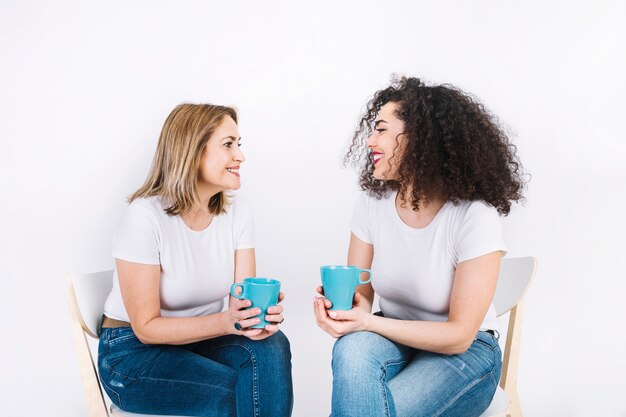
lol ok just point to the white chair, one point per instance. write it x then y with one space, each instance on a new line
87 294
515 277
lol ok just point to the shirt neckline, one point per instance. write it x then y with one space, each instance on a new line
190 230
415 230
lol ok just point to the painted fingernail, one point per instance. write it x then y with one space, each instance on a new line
332 314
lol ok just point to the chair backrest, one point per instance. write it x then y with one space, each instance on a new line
86 296
515 277
89 292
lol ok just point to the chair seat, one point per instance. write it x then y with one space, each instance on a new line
118 412
499 404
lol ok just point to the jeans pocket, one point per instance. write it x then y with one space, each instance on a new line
112 393
487 339
121 335
118 346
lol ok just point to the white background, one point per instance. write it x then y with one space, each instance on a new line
85 87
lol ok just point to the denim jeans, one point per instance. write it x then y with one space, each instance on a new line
225 376
373 376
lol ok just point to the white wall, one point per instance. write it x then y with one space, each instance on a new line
85 87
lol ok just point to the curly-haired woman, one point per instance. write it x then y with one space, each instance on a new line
437 171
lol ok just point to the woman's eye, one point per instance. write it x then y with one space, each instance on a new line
228 144
380 130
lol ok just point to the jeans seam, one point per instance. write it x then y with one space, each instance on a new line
497 358
476 382
255 376
492 347
106 365
119 398
459 395
383 386
117 340
383 383
493 378
149 378
123 375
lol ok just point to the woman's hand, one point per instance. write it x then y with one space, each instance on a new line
356 301
274 315
245 319
339 323
237 319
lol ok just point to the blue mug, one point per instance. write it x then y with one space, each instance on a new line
262 292
340 282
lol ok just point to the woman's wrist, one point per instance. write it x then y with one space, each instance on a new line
370 322
226 328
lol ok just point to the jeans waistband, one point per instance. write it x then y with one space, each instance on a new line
109 323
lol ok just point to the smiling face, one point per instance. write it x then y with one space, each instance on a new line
387 142
221 159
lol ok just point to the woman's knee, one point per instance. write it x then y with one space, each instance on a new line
358 351
274 350
280 344
276 345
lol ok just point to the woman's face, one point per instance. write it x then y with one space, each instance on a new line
387 142
221 159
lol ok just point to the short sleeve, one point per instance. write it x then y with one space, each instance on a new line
243 223
137 239
360 224
480 233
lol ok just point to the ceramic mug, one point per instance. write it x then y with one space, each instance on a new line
262 292
340 282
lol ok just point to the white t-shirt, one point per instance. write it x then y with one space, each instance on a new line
413 269
197 267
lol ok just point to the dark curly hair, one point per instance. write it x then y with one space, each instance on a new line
456 149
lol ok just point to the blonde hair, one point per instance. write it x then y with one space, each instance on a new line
174 171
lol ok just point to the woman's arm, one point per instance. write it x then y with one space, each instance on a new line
361 254
474 285
139 285
245 265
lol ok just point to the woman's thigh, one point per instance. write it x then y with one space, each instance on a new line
163 379
264 386
434 384
363 363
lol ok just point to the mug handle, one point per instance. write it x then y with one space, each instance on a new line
243 290
369 276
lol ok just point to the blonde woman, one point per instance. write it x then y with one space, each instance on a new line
167 344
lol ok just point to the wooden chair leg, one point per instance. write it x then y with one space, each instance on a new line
508 380
93 395
515 409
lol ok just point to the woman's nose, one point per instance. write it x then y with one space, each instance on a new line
239 155
371 142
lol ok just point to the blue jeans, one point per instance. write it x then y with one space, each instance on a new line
226 376
373 376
